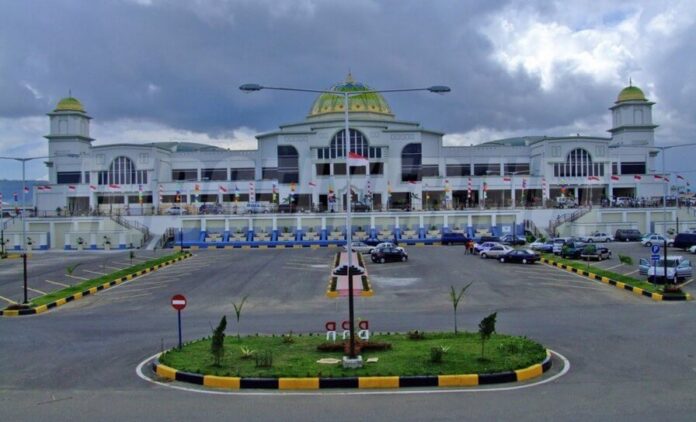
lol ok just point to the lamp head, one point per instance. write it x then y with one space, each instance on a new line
250 87
439 89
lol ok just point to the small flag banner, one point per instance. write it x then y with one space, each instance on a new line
507 179
222 189
26 189
636 177
114 187
71 188
92 188
615 178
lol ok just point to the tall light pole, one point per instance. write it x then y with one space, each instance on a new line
24 160
438 89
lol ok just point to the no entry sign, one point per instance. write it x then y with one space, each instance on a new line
178 302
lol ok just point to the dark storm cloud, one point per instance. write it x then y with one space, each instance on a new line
180 62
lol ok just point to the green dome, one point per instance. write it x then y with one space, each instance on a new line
371 102
70 104
631 93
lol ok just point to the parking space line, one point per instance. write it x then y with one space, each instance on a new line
686 282
36 291
94 272
632 272
126 296
57 283
76 277
615 266
12 302
112 267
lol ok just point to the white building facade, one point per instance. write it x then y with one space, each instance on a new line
302 165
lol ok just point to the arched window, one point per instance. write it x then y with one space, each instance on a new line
358 144
122 171
579 164
411 158
288 164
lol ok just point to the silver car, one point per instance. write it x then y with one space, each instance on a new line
678 269
360 247
495 251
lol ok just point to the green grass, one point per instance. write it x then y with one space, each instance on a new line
582 265
88 284
407 357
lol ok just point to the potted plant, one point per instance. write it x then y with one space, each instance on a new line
80 243
107 243
29 243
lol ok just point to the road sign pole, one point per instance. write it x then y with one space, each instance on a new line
178 313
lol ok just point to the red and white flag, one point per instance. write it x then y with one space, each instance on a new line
312 185
161 189
39 188
92 188
356 160
507 179
114 187
46 188
222 189
636 177
592 178
615 178
680 177
657 177
71 188
468 188
411 182
26 188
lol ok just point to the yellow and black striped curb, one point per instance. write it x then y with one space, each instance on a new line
93 290
316 383
288 246
366 290
618 284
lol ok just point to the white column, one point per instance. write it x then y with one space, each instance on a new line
446 221
275 223
420 221
67 239
227 224
298 223
204 222
372 221
396 222
323 223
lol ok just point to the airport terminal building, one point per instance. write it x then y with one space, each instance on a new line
303 164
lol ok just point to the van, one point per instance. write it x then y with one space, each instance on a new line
628 235
256 208
685 240
450 238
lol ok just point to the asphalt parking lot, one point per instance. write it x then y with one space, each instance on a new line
631 357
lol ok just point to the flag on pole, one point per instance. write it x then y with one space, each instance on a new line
615 178
16 197
236 193
222 189
356 160
468 188
26 188
92 188
274 192
71 188
389 189
197 188
636 177
524 183
543 188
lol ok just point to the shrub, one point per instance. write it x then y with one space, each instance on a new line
217 344
264 359
437 353
247 352
486 328
288 338
416 335
624 259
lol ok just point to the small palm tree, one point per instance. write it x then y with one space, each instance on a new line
238 313
455 301
71 268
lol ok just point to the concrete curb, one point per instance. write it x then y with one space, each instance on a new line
91 291
618 284
315 383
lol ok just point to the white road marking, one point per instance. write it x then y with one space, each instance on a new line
94 272
114 268
114 298
76 277
612 267
686 282
57 283
633 272
12 302
433 390
37 291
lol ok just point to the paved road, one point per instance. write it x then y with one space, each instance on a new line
632 358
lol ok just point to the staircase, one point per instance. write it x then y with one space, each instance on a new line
566 218
133 225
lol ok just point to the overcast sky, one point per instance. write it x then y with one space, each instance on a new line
160 70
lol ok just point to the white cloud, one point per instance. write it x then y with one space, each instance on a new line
35 92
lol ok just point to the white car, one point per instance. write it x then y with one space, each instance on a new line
678 269
692 249
495 251
176 210
656 239
596 237
478 248
558 244
360 247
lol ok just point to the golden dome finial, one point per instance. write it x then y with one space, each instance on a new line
349 78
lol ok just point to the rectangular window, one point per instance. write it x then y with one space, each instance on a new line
492 169
430 170
86 177
135 199
242 174
376 168
110 199
323 169
65 177
141 177
614 168
174 198
269 173
375 152
339 168
512 169
213 174
143 157
456 170
185 175
320 153
637 167
102 178
358 170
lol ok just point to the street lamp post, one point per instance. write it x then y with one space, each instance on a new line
24 160
438 89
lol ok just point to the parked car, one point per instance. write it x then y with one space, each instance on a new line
176 210
385 254
257 208
542 246
572 250
685 240
558 244
485 245
596 237
692 249
678 269
210 209
524 256
656 239
566 202
495 251
595 252
510 239
452 238
388 245
484 239
360 247
360 206
627 235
